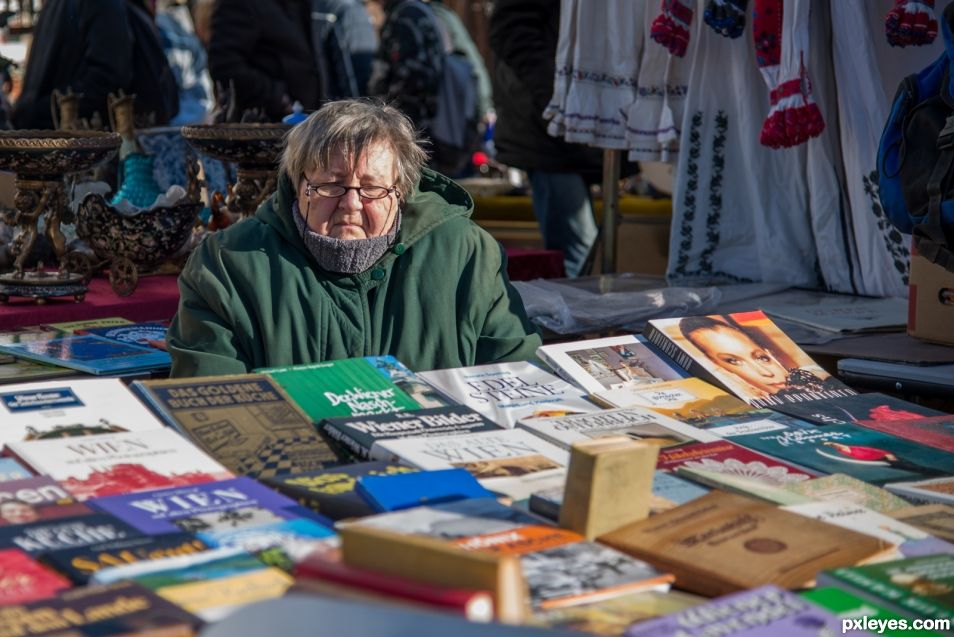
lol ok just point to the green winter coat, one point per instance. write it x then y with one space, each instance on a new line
252 296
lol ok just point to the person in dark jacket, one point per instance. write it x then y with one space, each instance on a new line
345 43
410 60
360 252
77 44
523 36
264 48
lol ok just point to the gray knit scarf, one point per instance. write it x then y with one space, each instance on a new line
345 256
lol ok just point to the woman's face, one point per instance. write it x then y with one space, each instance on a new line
738 354
351 216
17 512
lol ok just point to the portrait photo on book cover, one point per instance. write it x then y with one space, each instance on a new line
750 355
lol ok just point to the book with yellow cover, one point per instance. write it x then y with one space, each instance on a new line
722 542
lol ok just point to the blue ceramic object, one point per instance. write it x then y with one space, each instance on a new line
139 186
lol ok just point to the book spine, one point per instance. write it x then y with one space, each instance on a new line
345 441
142 392
668 349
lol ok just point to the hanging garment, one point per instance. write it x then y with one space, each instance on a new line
597 67
911 22
654 119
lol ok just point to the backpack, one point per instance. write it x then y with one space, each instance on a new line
455 130
916 156
153 81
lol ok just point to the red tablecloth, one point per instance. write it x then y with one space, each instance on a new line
157 297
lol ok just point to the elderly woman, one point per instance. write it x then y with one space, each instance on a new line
360 252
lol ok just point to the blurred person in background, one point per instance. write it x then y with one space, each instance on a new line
461 42
188 59
523 36
345 42
263 48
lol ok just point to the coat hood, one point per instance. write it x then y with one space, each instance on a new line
436 199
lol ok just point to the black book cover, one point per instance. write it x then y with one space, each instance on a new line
62 533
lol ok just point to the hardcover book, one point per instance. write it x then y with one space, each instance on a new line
80 563
936 519
72 326
17 370
63 409
513 462
23 579
175 509
839 486
862 453
766 610
246 422
882 413
96 466
935 490
144 334
727 458
746 353
914 587
296 538
348 387
36 498
410 383
124 608
90 354
636 422
608 363
62 533
359 435
509 392
689 400
10 469
722 543
406 490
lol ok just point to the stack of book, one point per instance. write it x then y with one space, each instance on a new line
774 498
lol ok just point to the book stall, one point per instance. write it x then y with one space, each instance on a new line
758 443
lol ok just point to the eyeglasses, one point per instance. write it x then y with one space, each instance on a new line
333 191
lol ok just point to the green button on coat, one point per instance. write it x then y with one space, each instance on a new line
377 274
399 249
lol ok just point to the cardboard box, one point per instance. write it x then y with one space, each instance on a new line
930 301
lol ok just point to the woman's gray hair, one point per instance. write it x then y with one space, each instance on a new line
349 128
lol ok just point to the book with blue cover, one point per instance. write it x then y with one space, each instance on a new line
90 354
10 469
144 334
406 490
173 509
296 538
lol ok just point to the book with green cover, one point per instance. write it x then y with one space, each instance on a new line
914 587
851 607
838 486
348 387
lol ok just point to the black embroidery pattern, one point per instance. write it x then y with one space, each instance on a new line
689 200
893 239
714 218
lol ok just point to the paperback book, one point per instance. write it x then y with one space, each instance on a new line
727 458
62 533
934 490
145 334
609 363
124 608
882 413
746 353
914 587
23 579
636 422
766 610
509 392
90 354
10 469
689 400
862 453
722 543
108 464
17 370
359 436
410 383
839 486
512 462
873 618
331 492
181 508
408 490
80 563
36 498
71 327
296 538
246 422
348 387
61 409
936 519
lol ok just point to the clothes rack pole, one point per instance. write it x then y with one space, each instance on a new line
611 170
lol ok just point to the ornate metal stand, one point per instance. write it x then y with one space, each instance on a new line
255 148
40 159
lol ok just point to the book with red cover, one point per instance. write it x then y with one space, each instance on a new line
729 458
475 605
23 579
37 498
